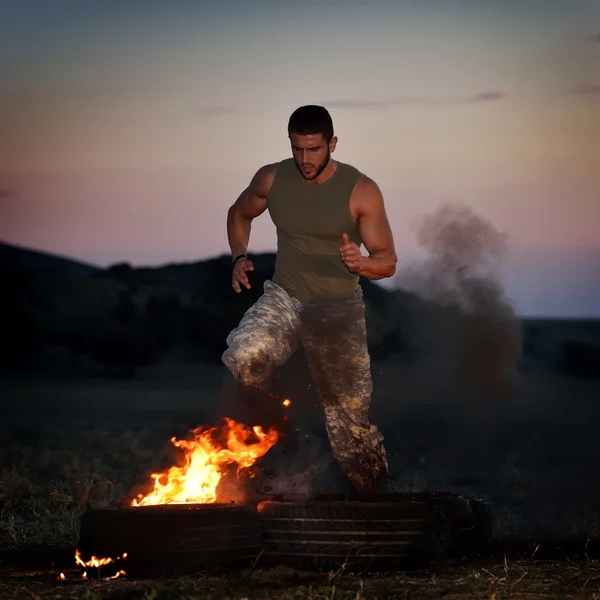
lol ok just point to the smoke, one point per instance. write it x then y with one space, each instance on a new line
291 481
308 468
466 325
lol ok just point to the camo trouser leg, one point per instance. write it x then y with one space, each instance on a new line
334 337
265 339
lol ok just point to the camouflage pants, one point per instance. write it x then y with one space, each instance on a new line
334 338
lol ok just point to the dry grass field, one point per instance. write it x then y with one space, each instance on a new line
476 405
71 443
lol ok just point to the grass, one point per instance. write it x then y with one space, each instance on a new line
490 578
67 445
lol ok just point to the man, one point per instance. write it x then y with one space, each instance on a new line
323 211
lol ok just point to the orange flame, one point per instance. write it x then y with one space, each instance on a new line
286 402
205 461
95 561
118 574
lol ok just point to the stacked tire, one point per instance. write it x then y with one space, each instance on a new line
354 535
383 533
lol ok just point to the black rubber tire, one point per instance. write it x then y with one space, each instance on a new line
483 517
172 540
357 535
468 519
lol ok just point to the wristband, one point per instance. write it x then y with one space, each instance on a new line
238 258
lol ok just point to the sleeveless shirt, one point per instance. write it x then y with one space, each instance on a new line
310 220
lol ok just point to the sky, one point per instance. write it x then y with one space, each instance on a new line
128 128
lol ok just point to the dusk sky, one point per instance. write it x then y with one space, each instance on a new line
128 127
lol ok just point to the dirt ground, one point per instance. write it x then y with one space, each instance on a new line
513 575
67 445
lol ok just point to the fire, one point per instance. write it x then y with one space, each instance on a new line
95 561
205 461
118 574
286 402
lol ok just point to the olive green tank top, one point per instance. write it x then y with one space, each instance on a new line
310 220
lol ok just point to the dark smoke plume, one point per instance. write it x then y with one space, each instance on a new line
469 327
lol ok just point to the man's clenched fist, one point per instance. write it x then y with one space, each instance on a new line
351 255
239 276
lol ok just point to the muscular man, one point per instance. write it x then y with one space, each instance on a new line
323 210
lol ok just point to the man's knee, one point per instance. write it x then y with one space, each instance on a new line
265 338
249 366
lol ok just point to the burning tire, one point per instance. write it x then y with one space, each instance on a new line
171 540
377 535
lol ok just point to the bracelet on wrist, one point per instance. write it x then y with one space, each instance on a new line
238 257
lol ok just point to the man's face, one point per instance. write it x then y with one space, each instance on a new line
311 153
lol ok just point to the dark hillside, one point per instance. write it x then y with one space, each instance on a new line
18 257
64 315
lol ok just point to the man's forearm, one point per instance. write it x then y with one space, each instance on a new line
238 232
378 265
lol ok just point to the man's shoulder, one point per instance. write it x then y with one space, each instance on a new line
364 184
265 176
270 170
362 180
366 194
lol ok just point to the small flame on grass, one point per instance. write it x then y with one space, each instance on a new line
95 561
118 574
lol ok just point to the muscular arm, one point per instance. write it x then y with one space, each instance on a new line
251 203
375 231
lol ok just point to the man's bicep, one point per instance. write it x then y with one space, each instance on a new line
250 205
373 224
253 200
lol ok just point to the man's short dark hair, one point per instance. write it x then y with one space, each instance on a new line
311 120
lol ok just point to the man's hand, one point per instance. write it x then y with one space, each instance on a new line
351 255
239 277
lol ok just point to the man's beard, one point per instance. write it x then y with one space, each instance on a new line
318 169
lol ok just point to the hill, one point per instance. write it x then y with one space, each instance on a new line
24 258
63 315
124 317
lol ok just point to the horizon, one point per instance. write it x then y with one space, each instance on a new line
132 151
391 284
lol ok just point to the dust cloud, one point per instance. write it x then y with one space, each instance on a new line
466 326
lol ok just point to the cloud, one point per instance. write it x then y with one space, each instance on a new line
585 89
217 110
487 96
7 193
